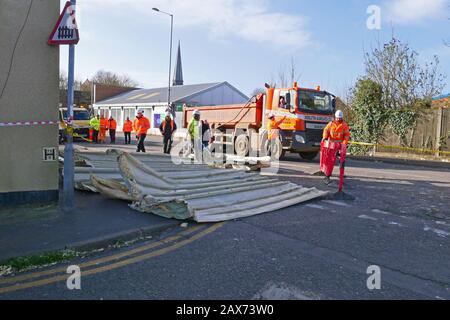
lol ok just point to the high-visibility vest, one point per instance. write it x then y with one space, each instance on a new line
103 123
112 124
337 132
95 124
128 126
141 126
273 129
194 129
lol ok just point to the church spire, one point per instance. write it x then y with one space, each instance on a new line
178 74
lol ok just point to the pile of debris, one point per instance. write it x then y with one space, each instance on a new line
155 184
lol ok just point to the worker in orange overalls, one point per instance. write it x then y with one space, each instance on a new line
112 126
141 126
336 131
127 129
103 128
273 130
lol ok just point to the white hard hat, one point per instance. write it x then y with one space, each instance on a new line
168 114
339 114
196 113
141 111
271 115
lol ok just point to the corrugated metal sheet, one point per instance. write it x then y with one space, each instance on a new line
156 185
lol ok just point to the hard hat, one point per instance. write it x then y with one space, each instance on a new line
196 113
271 115
168 114
339 114
140 111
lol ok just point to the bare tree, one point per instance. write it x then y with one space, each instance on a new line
287 76
395 66
257 91
113 79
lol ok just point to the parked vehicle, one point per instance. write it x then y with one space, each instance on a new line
243 127
81 119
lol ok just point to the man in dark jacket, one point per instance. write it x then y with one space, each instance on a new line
167 129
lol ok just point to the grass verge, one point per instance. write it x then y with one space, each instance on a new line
20 264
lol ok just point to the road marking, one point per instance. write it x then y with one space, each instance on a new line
363 216
101 260
315 206
336 203
382 212
439 232
116 265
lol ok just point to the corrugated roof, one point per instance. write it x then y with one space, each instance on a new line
154 184
158 95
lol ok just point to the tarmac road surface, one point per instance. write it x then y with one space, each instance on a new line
399 222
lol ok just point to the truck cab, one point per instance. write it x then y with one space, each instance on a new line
307 112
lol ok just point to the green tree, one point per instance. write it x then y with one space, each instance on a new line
369 115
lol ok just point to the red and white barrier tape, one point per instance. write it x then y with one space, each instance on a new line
27 123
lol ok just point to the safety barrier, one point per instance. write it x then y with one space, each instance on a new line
422 150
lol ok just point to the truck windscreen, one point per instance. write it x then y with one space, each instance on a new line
78 115
315 102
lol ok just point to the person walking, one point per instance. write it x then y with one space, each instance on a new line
112 125
127 129
141 126
94 123
167 128
194 130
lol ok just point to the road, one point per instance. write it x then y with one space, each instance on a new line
399 221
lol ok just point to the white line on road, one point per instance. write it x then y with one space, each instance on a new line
363 216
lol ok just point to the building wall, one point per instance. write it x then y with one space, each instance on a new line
31 94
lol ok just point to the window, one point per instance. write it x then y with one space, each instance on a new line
315 101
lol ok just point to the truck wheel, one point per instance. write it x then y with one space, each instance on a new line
308 155
242 145
275 150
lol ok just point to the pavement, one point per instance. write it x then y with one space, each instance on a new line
323 249
95 223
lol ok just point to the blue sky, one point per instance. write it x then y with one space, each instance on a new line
247 42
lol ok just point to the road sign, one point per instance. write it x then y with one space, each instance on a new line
66 29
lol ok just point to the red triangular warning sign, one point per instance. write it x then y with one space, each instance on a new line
66 29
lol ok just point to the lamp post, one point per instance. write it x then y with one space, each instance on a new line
170 60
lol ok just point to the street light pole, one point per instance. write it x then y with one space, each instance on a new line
169 106
69 185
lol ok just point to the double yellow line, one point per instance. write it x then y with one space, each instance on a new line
20 282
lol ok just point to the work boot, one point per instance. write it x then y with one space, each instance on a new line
327 180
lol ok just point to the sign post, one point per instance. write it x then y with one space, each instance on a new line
66 33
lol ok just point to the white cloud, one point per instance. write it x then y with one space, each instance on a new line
416 11
250 20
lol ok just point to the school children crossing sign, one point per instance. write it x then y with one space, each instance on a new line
66 29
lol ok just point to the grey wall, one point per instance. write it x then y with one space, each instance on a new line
31 94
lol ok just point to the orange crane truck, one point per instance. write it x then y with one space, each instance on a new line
243 127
